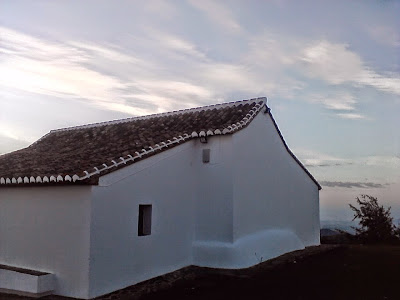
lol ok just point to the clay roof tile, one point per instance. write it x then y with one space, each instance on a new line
92 150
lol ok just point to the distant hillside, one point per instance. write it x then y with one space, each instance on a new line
328 232
342 225
346 225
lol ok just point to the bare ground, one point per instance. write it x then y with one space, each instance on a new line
324 272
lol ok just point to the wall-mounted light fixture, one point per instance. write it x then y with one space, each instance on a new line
203 139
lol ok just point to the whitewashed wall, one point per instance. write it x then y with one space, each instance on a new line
265 202
251 202
214 190
271 190
47 229
119 257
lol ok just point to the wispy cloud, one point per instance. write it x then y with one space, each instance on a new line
384 34
40 66
349 185
312 158
10 141
336 102
331 62
376 160
9 134
161 8
218 13
173 43
81 70
16 44
351 116
168 94
91 50
388 82
144 78
336 64
342 105
272 50
336 170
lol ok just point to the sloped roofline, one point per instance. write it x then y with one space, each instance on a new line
268 111
117 163
164 114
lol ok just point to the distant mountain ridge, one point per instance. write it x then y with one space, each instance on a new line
338 224
346 225
328 232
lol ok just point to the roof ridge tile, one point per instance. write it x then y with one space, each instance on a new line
146 117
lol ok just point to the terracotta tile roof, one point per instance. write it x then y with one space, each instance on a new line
79 155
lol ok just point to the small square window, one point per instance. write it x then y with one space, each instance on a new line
144 223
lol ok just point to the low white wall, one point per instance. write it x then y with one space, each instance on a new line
47 229
119 257
22 282
271 191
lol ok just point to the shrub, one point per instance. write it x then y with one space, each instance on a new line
376 223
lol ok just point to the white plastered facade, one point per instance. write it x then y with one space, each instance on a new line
250 203
48 229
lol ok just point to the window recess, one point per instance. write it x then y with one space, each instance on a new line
144 222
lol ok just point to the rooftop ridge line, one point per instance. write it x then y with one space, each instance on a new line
145 117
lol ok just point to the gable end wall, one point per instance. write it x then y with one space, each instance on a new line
271 190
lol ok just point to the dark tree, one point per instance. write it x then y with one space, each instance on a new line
376 222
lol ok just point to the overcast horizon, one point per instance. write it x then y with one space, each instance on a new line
330 71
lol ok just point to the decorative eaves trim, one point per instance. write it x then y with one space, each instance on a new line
39 179
54 178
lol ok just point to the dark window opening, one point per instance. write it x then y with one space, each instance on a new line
144 224
206 156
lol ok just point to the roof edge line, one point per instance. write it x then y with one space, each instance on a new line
145 117
290 151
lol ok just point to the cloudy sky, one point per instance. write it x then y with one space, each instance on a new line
330 70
